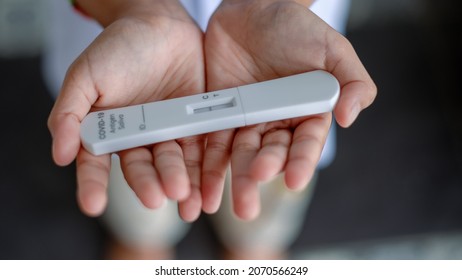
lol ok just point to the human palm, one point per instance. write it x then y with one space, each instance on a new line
252 41
134 61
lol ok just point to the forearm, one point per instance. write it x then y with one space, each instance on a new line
306 3
107 11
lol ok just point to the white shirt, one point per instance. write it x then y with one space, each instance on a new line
334 12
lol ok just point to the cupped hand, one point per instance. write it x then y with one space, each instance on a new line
134 60
257 40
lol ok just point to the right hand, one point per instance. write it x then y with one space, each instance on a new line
139 57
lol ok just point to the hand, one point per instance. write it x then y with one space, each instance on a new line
256 40
145 54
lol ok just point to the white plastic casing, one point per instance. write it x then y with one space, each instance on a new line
289 97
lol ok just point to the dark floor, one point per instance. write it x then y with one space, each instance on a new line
397 171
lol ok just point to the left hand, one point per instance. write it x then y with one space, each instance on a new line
257 40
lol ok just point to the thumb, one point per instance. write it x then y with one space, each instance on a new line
358 90
76 98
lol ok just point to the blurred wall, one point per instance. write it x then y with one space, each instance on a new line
21 27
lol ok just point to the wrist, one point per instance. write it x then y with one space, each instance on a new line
108 11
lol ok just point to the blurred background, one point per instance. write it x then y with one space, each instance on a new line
394 190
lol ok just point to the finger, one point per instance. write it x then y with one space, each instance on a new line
92 181
305 151
169 163
193 150
272 157
245 195
138 168
216 162
190 208
358 90
73 103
